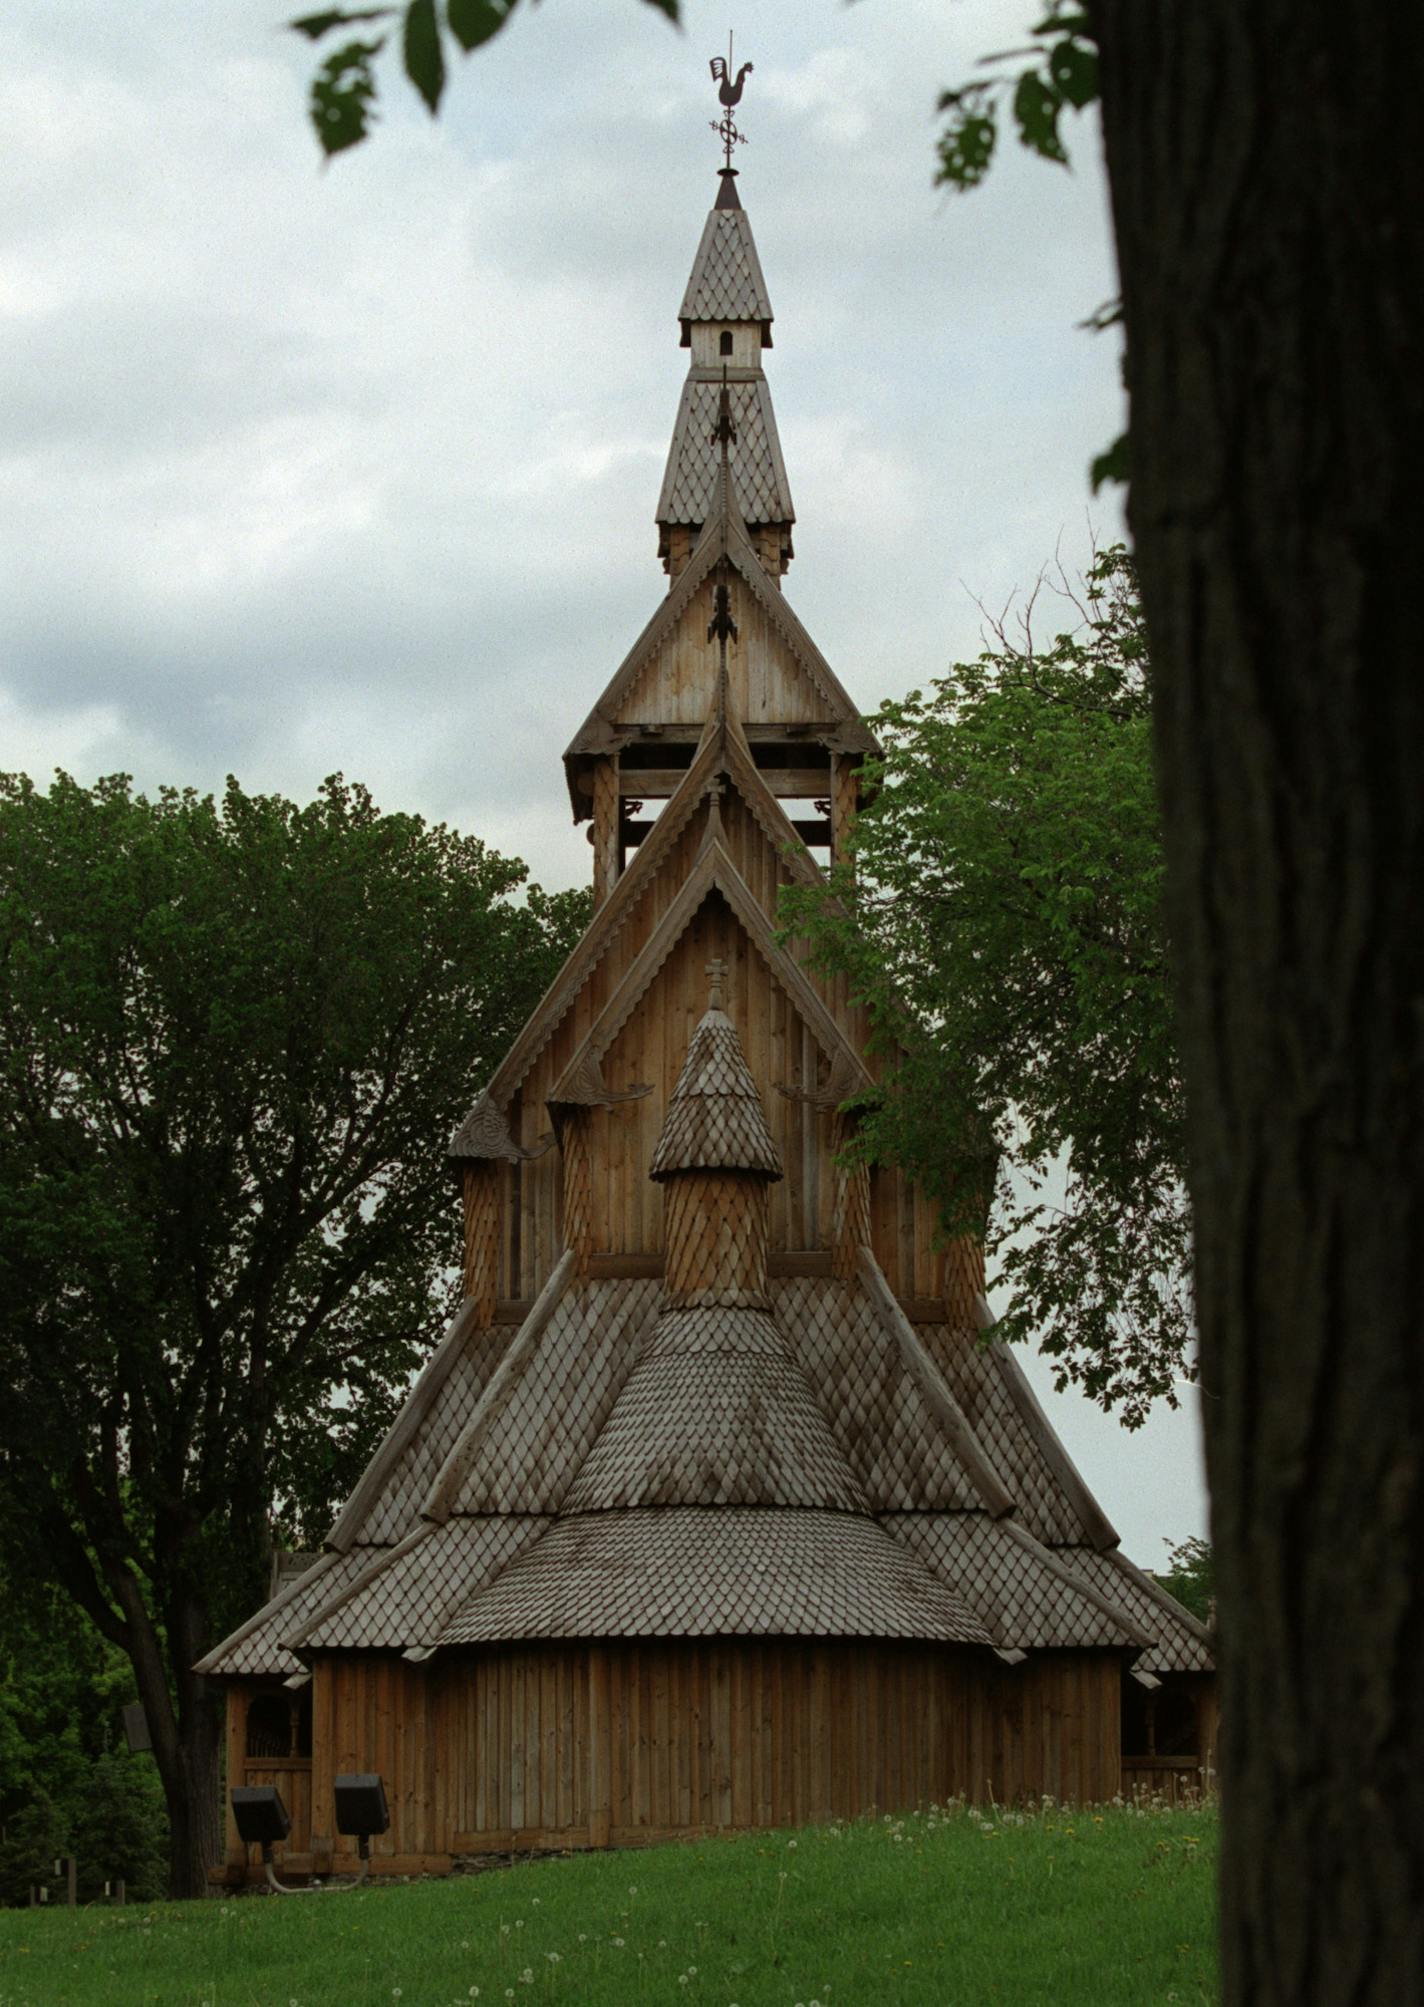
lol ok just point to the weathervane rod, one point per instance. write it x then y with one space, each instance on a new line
729 92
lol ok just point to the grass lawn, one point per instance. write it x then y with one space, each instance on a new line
937 1909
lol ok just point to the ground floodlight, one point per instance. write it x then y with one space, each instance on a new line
361 1808
261 1816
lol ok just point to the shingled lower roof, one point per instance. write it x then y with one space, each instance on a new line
524 1457
406 1598
255 1650
1181 1643
1027 1596
690 1572
732 1425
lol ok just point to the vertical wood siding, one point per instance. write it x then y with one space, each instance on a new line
577 1744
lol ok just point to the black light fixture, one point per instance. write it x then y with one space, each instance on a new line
262 1818
361 1811
361 1807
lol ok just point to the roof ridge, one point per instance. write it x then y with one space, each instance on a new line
977 1465
497 1391
1099 1529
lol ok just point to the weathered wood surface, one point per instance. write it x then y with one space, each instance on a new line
614 1742
480 1195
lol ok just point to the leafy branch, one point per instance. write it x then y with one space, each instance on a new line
345 90
1061 75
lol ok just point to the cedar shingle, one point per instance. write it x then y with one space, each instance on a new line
689 490
686 1571
726 282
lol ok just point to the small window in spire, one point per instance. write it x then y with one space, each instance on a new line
726 341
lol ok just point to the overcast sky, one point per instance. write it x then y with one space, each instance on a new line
354 468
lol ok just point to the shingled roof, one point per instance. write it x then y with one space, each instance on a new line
726 282
714 1119
621 1465
689 489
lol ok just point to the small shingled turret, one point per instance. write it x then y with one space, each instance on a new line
716 1411
715 1158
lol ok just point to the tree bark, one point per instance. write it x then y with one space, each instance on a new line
186 1735
1265 163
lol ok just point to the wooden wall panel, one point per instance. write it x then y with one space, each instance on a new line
780 1050
766 684
572 1745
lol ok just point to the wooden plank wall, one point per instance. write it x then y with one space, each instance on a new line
766 684
621 1742
651 1046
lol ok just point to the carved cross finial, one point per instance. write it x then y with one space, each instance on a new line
725 432
716 976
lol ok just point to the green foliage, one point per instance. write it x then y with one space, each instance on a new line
67 1781
1190 1576
1000 914
1061 74
949 1905
1056 72
119 1828
344 90
232 1037
32 1839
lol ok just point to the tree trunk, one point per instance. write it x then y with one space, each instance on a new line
1265 162
186 1739
195 1808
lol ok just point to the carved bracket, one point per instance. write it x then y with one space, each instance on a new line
484 1134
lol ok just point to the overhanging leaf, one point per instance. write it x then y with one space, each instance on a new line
424 56
475 21
342 95
966 146
1110 465
1073 67
1036 107
670 8
314 26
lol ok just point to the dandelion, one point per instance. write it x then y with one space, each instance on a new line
583 1937
526 1977
790 1846
519 1923
554 1957
618 1941
634 1889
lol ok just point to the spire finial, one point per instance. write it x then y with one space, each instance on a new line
729 93
716 976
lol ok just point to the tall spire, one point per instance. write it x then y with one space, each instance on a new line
726 322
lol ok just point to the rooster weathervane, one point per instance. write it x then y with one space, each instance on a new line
729 91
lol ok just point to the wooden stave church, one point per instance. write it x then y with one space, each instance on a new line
710 1509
